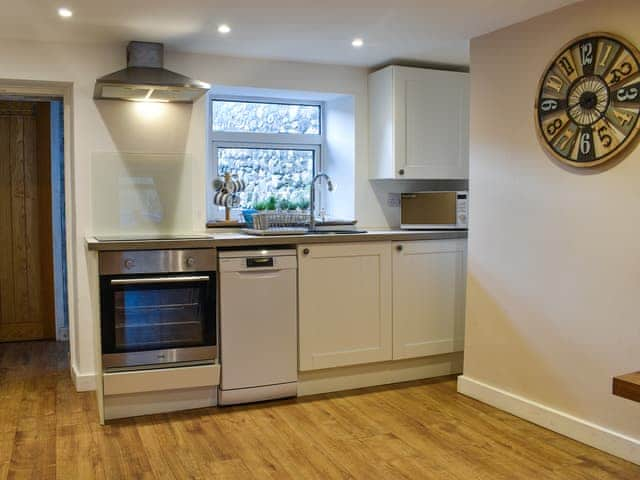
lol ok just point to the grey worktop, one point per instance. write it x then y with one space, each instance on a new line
233 239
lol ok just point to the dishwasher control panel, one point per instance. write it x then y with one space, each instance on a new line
256 260
260 262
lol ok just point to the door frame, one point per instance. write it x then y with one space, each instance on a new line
64 90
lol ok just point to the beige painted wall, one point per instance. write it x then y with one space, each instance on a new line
554 254
119 126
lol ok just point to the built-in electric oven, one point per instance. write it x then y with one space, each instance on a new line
158 307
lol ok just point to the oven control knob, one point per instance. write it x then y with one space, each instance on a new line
129 263
191 261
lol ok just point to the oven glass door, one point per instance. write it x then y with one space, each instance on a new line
157 312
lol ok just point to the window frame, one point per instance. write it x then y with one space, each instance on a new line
284 141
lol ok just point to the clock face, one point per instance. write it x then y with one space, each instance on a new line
588 100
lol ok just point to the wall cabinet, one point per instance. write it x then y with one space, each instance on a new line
344 304
418 124
429 279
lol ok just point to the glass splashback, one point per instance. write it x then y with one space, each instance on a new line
136 193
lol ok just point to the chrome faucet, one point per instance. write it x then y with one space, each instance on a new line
312 199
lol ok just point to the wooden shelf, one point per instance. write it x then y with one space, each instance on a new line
627 386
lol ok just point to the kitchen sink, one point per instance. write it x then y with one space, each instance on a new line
335 232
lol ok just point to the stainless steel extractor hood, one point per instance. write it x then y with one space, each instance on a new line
146 79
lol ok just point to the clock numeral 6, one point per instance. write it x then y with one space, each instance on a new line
585 143
554 126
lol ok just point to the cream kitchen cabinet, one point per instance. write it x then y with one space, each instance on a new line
344 304
418 124
428 297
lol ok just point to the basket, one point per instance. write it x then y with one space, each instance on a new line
283 219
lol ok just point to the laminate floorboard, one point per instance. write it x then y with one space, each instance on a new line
415 430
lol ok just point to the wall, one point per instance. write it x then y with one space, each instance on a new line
284 76
339 161
107 126
554 256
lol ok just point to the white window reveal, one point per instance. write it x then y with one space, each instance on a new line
275 146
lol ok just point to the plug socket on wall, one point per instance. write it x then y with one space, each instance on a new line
393 200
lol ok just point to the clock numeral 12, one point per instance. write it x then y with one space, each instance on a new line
586 53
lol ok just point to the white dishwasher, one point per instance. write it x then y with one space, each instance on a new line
258 325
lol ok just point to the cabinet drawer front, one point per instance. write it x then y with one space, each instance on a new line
428 298
344 304
138 381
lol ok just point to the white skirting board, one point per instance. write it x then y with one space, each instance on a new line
84 382
581 430
383 373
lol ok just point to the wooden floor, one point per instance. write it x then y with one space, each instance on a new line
418 430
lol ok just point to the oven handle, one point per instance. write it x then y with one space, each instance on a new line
146 281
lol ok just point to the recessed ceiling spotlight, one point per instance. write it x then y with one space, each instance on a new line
65 12
224 28
357 42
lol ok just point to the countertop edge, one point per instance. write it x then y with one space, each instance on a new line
230 240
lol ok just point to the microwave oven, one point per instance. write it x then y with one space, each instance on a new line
434 210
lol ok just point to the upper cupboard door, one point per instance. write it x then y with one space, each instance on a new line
431 123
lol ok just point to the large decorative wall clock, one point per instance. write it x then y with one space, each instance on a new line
588 100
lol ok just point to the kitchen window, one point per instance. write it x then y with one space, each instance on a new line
274 145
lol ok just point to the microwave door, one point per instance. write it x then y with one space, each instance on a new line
429 210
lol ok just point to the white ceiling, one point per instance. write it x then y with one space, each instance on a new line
429 31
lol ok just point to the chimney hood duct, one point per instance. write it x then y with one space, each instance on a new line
146 79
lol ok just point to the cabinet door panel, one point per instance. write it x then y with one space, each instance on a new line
344 304
428 297
431 121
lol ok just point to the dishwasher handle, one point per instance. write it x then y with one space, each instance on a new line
260 262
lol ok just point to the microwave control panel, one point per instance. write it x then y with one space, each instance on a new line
462 209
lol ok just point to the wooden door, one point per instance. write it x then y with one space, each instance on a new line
344 293
26 261
432 123
428 297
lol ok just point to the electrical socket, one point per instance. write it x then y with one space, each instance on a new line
393 200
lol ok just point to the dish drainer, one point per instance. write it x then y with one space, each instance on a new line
279 223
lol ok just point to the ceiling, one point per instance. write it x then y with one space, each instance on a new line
426 31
